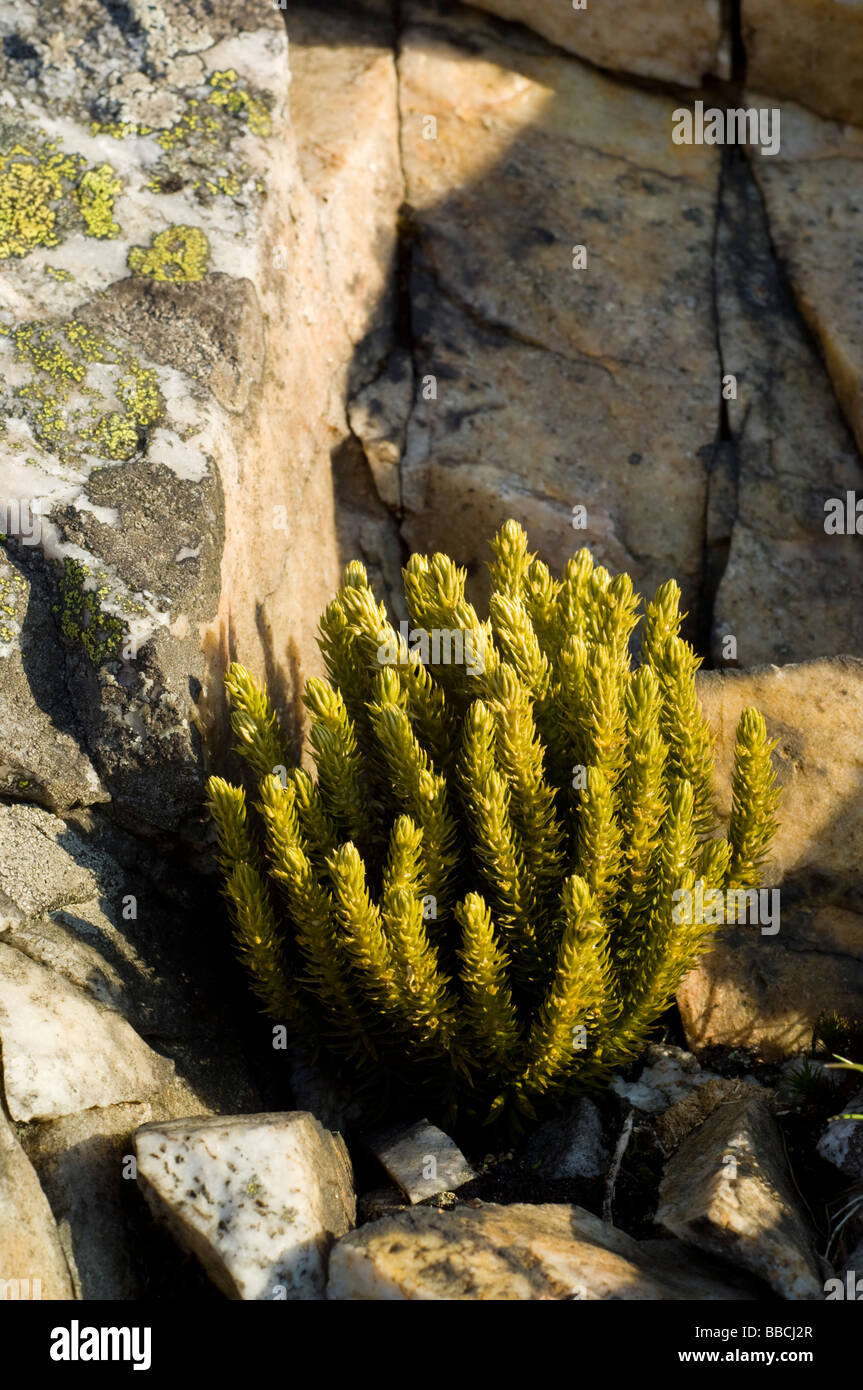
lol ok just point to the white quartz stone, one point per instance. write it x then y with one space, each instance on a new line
259 1199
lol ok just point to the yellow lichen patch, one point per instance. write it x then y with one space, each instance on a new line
204 137
239 102
179 254
58 273
42 190
81 615
13 593
69 415
95 196
120 130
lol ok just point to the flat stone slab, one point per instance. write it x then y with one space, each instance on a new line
422 1160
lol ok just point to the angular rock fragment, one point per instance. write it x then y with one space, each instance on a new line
513 1253
86 1165
422 1160
728 1191
668 1076
259 1199
685 1115
571 1145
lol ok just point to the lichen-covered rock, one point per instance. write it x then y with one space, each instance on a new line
32 1265
170 322
513 1253
258 1198
679 43
766 990
545 384
119 193
727 1190
809 51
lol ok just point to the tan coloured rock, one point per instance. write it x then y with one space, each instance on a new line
787 588
677 43
32 1265
812 191
809 51
542 387
514 1253
765 991
302 500
729 1192
344 112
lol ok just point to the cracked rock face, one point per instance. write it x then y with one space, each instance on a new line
813 192
553 386
788 590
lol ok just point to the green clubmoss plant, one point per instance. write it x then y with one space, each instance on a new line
475 899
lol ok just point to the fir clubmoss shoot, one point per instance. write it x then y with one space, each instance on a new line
457 914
